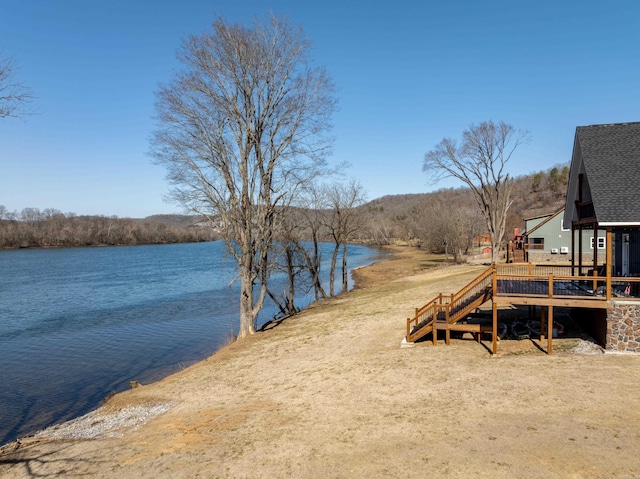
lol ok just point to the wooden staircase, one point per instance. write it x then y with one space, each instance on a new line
446 312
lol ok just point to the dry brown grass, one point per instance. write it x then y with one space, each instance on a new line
330 393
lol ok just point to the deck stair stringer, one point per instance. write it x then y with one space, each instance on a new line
446 312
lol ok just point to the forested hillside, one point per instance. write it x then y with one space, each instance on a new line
452 215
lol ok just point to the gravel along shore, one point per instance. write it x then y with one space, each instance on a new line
100 423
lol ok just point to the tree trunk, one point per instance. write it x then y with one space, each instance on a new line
332 271
345 278
246 305
292 284
315 270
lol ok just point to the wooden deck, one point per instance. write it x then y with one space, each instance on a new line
545 285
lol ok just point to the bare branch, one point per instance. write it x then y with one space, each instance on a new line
480 162
14 96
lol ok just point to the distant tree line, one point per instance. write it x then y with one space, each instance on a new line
32 227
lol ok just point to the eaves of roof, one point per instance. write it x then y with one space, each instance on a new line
611 156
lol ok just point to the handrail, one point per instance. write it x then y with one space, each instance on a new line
476 288
449 307
475 282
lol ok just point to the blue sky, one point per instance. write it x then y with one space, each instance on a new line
408 74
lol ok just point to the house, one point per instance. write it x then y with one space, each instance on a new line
603 195
546 238
602 281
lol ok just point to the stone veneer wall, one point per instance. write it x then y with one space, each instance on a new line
623 326
587 258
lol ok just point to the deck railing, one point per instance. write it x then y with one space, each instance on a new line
426 316
550 286
532 269
523 279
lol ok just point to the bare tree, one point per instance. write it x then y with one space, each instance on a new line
342 223
241 129
449 225
14 96
290 261
480 163
311 216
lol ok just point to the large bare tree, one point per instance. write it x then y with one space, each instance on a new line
242 128
14 96
480 162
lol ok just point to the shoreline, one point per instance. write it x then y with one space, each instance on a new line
78 427
331 393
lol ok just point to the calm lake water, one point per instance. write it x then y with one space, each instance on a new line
79 323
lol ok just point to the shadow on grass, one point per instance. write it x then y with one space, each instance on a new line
17 458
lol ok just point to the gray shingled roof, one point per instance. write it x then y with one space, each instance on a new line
611 156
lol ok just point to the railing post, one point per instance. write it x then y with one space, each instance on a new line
494 282
434 320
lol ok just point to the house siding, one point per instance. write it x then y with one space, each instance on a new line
555 237
532 223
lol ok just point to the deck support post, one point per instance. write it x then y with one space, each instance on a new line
573 252
494 347
608 259
580 250
595 248
550 331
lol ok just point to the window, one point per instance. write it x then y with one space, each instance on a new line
602 242
537 243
